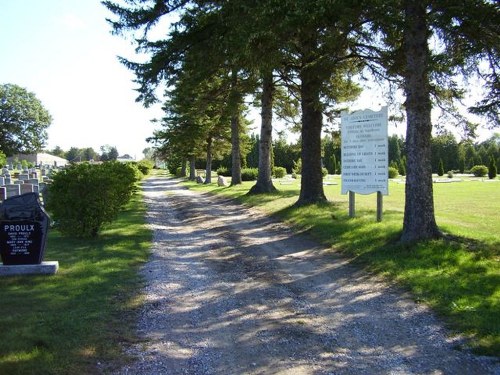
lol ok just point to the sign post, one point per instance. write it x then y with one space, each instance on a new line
365 156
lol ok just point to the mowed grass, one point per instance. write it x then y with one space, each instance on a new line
74 322
458 276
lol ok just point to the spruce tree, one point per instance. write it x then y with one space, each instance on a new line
441 168
492 169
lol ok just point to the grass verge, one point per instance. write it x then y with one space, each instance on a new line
459 276
73 322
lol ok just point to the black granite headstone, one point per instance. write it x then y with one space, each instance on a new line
23 230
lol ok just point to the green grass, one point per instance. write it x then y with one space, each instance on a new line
69 322
459 276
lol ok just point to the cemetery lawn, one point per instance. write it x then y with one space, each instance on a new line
74 322
458 276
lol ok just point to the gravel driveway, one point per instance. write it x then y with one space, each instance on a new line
230 291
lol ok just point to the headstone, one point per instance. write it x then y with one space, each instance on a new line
33 181
2 181
3 193
5 171
200 180
26 188
13 190
24 176
23 230
34 174
19 182
7 181
221 181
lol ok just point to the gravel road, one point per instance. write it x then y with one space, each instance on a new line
230 291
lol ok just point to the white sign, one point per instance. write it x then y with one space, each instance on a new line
365 154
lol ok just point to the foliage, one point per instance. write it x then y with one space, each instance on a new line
393 172
279 172
23 121
249 174
479 170
145 166
450 174
492 169
297 166
108 153
83 197
440 168
180 172
3 159
73 320
324 172
223 171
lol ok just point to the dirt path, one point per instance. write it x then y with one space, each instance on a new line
229 291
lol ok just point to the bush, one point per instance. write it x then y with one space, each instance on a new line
279 172
249 174
179 173
492 169
324 172
479 170
440 168
3 159
145 166
393 172
223 171
83 197
450 174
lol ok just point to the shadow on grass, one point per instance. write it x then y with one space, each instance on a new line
69 322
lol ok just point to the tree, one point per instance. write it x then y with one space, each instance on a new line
492 169
108 153
440 168
23 121
462 36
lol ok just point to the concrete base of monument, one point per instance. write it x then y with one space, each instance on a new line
44 268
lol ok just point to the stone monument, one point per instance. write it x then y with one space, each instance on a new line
24 226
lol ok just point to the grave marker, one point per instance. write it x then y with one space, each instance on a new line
23 230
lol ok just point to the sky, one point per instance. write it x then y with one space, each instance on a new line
63 52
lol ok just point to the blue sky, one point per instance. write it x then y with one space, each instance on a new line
63 51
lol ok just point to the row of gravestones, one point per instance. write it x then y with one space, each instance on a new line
25 182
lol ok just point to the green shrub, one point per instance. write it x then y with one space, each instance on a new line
179 173
223 171
279 172
492 169
450 174
440 168
3 159
83 197
479 170
297 166
324 172
393 172
145 166
249 174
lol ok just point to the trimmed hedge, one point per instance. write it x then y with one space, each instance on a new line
84 197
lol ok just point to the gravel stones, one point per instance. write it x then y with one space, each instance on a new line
229 291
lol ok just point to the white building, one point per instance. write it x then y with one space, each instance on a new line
38 159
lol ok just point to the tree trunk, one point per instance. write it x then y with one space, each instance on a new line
311 185
184 168
264 182
419 220
192 168
235 131
208 169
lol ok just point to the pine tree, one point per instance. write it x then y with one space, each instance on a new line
441 168
492 169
